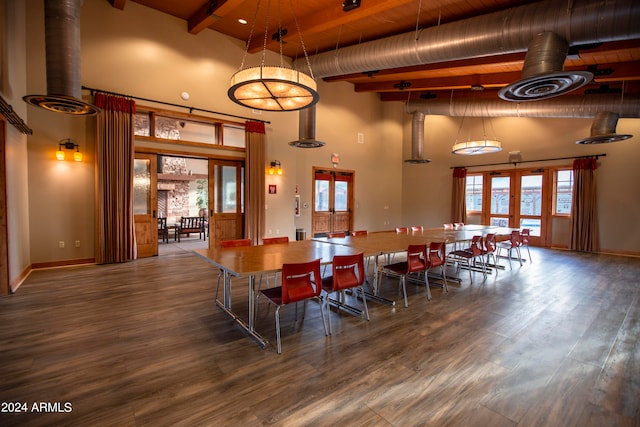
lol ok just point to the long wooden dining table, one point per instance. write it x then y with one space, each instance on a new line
253 261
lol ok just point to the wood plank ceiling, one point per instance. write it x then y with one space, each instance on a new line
324 27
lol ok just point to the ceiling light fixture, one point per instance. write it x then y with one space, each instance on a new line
472 147
273 87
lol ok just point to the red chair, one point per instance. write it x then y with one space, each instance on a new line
300 282
490 247
401 230
347 273
336 234
470 255
274 240
417 229
359 233
416 263
525 234
510 245
230 244
271 241
437 258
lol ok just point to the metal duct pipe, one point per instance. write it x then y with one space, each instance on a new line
567 106
543 74
508 31
62 36
603 129
307 129
417 139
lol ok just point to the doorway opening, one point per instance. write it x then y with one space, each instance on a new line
183 191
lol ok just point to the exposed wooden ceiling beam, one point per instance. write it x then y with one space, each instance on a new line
209 13
118 4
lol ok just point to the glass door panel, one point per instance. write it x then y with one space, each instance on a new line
500 201
531 203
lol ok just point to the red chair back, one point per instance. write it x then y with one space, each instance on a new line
359 233
301 281
416 258
515 238
490 242
417 228
336 234
348 271
436 254
402 229
525 233
235 243
274 240
476 245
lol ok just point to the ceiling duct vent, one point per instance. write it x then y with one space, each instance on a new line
62 36
603 129
543 74
417 140
307 129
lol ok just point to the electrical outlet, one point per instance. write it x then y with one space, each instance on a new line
61 244
77 243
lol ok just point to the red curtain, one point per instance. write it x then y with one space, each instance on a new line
584 208
458 197
115 240
255 215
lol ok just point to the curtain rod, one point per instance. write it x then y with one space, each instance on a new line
191 109
532 161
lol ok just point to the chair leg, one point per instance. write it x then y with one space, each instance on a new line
279 345
404 290
529 252
444 276
324 322
426 283
364 303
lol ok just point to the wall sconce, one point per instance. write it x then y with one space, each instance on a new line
68 144
276 168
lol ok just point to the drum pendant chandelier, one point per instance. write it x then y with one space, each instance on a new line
273 87
472 147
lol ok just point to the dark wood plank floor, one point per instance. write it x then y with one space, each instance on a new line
552 343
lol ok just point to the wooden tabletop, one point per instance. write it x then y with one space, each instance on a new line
253 260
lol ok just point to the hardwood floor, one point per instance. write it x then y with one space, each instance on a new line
552 343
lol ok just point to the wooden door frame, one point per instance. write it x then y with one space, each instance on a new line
153 202
546 215
350 197
5 284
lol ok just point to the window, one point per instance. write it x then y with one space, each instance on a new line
563 192
161 125
473 193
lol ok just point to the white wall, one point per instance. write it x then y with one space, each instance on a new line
12 88
427 188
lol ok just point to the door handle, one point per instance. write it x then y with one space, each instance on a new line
154 213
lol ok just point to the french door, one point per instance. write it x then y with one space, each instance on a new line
520 199
332 201
145 204
226 207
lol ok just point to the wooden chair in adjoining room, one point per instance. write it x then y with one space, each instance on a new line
163 231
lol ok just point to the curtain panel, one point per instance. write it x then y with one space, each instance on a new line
254 182
115 240
584 209
458 197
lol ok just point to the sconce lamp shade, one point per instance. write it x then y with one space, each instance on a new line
68 144
276 168
273 88
471 148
